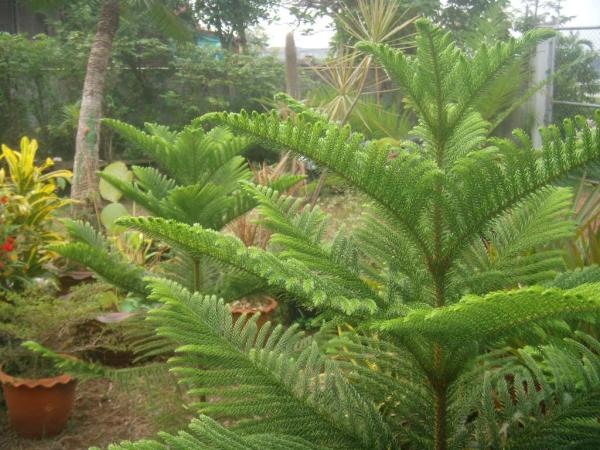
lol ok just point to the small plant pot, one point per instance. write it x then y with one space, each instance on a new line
38 408
68 280
101 351
266 311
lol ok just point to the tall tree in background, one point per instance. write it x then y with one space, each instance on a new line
461 16
535 13
87 141
230 19
88 130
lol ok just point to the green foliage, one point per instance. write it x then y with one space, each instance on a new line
381 122
204 80
25 315
110 213
27 92
540 404
150 80
578 80
438 356
198 181
504 257
536 13
496 315
291 276
199 176
66 324
490 23
207 433
576 277
464 16
231 20
280 386
161 16
584 248
119 170
38 314
245 361
93 250
357 20
28 209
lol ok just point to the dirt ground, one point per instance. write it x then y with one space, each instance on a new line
102 415
343 209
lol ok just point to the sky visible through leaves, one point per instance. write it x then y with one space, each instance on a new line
585 12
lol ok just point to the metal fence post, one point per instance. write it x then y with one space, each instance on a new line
543 67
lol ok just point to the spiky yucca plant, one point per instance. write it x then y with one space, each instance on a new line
436 359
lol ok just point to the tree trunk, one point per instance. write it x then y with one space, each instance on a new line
88 130
441 405
291 66
440 389
243 47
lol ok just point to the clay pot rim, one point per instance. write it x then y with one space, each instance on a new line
77 275
263 309
36 382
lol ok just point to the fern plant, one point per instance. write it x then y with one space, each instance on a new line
197 181
454 343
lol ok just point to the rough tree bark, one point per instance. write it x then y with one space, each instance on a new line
88 130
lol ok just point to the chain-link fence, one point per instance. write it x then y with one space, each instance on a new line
571 61
576 86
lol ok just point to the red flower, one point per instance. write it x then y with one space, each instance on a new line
4 200
8 246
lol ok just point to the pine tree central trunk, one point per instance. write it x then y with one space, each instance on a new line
197 275
88 129
440 419
441 402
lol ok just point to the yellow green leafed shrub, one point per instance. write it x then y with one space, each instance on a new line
28 207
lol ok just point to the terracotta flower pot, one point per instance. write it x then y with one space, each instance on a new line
38 407
266 311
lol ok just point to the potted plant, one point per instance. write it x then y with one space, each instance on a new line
38 396
254 304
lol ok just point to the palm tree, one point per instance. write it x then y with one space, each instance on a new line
88 129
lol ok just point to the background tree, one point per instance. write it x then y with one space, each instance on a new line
461 16
150 80
230 19
534 13
88 129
